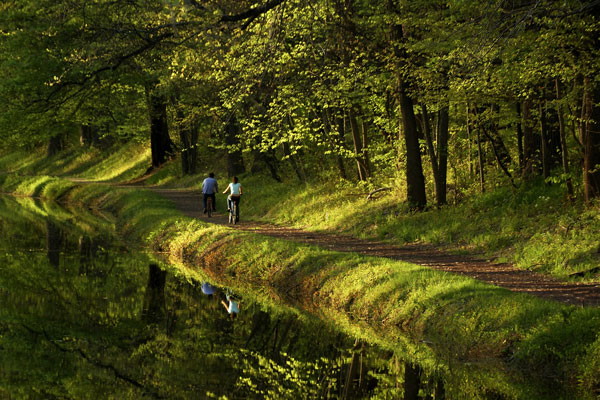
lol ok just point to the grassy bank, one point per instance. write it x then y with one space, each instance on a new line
481 340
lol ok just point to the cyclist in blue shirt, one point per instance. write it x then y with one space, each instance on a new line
208 289
209 188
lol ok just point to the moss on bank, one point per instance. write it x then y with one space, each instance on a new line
481 339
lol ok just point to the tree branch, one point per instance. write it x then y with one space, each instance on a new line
251 13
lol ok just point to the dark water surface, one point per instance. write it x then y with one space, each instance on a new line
82 316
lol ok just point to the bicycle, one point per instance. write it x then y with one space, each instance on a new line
209 206
234 211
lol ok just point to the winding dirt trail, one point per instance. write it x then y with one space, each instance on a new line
501 274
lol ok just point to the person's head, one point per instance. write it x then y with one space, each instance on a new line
235 179
212 174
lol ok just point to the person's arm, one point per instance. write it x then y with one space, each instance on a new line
225 305
240 189
225 191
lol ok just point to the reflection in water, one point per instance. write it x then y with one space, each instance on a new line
232 304
154 301
111 325
53 242
208 289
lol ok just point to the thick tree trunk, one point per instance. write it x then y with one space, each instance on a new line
591 130
55 145
412 381
415 181
160 141
235 162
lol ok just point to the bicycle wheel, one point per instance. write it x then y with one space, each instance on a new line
231 214
236 213
209 206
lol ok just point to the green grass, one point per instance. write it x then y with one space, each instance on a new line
481 338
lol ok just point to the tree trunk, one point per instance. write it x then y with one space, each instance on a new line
545 143
189 153
591 130
480 160
235 162
291 159
415 181
563 143
442 156
412 381
530 148
470 141
358 147
160 141
55 145
365 146
519 136
501 153
430 147
336 140
88 135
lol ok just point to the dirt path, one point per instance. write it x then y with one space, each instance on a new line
503 275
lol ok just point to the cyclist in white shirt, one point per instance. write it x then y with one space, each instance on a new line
235 192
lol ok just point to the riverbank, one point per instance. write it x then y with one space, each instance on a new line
476 338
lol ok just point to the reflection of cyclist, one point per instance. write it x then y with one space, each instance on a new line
232 306
209 188
208 289
235 192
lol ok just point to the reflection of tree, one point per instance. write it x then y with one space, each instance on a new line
53 242
154 301
87 254
79 334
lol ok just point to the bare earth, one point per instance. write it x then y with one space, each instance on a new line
503 275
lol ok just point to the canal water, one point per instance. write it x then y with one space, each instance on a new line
84 315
